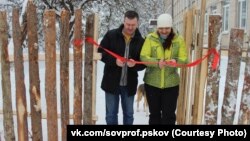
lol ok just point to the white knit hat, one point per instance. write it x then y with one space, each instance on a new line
164 20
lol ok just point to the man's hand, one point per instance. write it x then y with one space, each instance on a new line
119 63
131 63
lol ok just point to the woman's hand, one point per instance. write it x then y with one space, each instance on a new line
171 62
162 64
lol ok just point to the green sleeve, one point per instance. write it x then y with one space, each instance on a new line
145 55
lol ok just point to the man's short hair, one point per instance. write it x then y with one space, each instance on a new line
131 15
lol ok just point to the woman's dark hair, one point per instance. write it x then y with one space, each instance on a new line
167 42
131 15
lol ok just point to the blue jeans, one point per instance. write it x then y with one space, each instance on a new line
112 106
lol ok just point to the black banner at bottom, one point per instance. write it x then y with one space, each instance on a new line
164 131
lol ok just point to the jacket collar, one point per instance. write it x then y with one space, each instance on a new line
156 37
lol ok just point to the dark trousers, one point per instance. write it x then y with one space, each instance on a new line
162 104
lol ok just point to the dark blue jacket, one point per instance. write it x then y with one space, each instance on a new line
114 41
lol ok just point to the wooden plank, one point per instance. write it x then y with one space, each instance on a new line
44 115
190 47
232 78
90 72
244 115
50 73
41 57
96 57
184 95
198 97
78 68
192 73
213 79
203 81
9 134
64 72
188 39
21 103
35 99
180 115
190 77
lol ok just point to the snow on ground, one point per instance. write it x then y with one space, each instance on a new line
140 117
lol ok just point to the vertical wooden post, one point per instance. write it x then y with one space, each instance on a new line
78 68
198 98
50 73
189 40
35 99
232 78
90 72
184 77
192 72
21 104
64 72
213 79
6 85
244 115
96 57
181 98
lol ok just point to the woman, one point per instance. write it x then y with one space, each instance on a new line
162 81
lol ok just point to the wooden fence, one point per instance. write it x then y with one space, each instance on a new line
202 107
80 115
191 109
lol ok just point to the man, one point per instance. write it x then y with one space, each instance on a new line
120 77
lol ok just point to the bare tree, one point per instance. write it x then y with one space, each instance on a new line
110 13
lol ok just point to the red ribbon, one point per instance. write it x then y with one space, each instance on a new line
211 51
